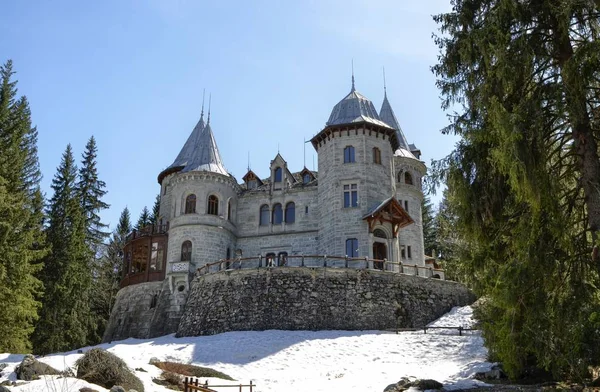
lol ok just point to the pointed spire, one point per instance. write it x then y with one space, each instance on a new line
209 99
353 88
202 112
384 87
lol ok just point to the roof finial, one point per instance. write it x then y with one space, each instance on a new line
209 99
384 87
248 160
353 89
202 112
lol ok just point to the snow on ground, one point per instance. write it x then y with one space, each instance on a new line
290 361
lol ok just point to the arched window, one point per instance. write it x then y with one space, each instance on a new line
278 175
186 251
408 178
270 259
154 301
282 259
190 204
290 212
349 154
264 215
213 205
376 155
379 233
229 210
277 214
399 178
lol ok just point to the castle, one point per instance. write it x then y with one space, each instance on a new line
362 209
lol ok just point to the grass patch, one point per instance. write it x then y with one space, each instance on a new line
188 370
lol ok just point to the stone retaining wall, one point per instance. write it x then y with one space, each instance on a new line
315 299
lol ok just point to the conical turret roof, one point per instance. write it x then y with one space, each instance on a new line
199 153
354 108
386 114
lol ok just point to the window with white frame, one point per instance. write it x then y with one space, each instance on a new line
350 195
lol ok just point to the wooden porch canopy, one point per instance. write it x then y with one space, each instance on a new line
390 211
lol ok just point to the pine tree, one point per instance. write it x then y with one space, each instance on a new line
523 179
155 210
429 235
21 241
144 219
109 272
91 190
65 318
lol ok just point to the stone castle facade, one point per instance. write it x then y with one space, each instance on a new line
363 203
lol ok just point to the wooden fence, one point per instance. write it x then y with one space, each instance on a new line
191 385
321 261
424 329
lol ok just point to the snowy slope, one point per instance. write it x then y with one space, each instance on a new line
286 361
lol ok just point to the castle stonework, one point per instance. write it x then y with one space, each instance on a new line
274 235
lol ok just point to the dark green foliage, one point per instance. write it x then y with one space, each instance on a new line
21 218
144 219
108 273
155 210
429 235
65 319
447 242
523 180
102 368
91 190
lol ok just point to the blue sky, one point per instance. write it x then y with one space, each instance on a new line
131 73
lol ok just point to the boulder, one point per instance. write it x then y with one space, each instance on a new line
117 388
4 389
86 389
495 373
406 383
427 384
31 369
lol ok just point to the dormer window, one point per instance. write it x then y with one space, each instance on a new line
252 184
306 179
349 154
278 175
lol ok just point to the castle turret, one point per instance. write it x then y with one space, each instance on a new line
408 171
356 189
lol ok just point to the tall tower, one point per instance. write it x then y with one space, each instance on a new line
359 216
199 199
407 183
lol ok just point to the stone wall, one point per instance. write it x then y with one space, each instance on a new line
145 310
315 299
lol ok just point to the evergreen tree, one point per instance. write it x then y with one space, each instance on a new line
429 235
91 190
448 245
21 240
144 219
523 180
155 210
109 272
65 318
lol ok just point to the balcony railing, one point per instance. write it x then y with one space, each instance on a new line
317 261
147 231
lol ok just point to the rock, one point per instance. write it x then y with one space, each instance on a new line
141 370
31 369
3 366
117 388
154 361
86 389
495 373
4 389
427 384
6 383
400 386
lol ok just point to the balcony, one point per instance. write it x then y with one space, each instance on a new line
146 231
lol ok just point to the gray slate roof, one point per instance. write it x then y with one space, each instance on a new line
386 114
355 107
200 151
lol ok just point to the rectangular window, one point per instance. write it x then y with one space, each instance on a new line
403 251
408 251
349 154
350 195
352 247
406 205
